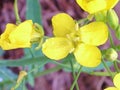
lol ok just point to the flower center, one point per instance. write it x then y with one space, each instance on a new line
74 36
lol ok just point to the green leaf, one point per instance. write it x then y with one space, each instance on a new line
30 79
6 76
33 11
24 61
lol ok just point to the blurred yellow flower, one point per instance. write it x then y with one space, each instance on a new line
20 78
81 41
17 36
116 82
93 6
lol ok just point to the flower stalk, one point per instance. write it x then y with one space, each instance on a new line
18 21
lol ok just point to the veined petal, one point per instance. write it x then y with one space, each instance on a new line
87 55
63 24
92 6
111 3
111 88
116 80
21 36
57 48
4 40
95 33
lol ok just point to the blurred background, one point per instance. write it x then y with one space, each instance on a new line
59 80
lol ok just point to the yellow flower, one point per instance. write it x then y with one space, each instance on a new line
17 36
93 6
81 41
116 82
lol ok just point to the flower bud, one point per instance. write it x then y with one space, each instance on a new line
117 32
112 19
111 54
101 16
21 76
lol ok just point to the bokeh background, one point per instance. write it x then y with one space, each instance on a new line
59 80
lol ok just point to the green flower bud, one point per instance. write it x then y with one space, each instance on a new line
117 32
101 16
111 54
112 19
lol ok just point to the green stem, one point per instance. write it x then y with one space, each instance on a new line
36 67
116 66
45 72
23 84
60 64
32 54
73 73
111 40
107 68
118 61
113 46
18 21
102 73
79 71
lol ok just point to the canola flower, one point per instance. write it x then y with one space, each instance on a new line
82 42
93 6
116 81
18 36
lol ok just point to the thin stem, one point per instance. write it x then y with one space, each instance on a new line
36 68
101 73
45 72
60 64
118 61
113 46
111 40
79 71
116 66
31 53
16 12
23 84
107 68
73 73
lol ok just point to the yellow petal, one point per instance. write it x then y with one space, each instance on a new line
116 80
92 6
111 88
87 55
63 24
4 40
111 3
21 36
95 33
57 48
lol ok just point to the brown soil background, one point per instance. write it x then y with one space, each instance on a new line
58 80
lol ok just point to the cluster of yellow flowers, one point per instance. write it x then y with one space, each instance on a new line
69 37
82 41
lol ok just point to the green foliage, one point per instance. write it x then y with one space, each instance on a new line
33 11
